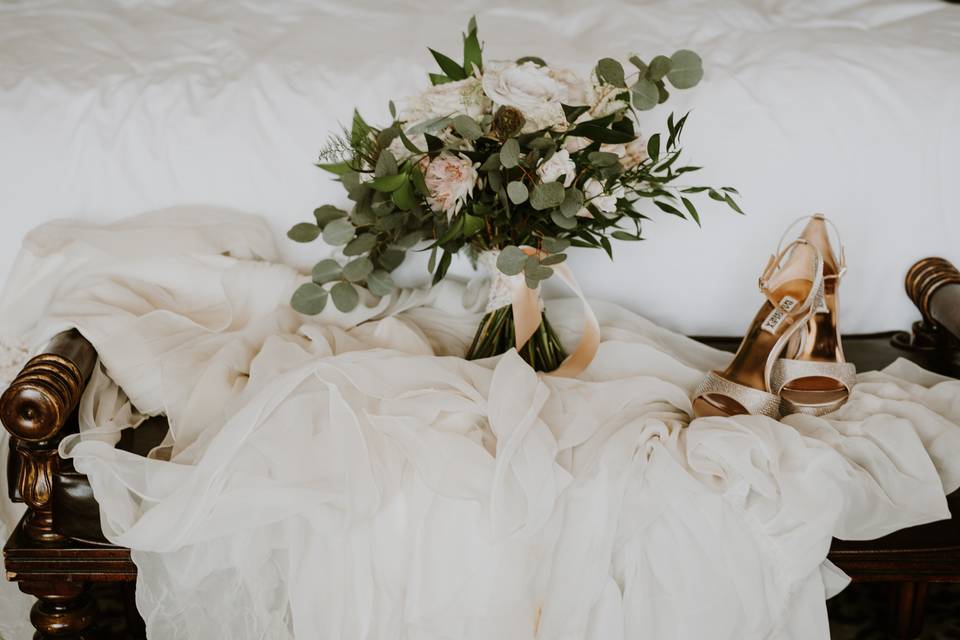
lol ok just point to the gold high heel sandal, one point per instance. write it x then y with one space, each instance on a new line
792 284
814 377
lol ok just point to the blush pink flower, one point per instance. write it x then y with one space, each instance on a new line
450 179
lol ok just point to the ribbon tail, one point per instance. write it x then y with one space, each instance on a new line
583 355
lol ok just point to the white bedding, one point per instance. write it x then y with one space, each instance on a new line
850 107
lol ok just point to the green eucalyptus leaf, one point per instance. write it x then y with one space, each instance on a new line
644 95
309 299
603 158
653 147
326 213
386 164
571 113
692 210
611 72
467 127
517 192
345 297
639 64
357 269
303 232
658 68
511 260
555 245
325 271
562 221
686 69
380 283
409 240
471 224
336 168
361 244
495 179
572 202
472 51
534 59
510 153
403 197
533 270
416 176
448 66
554 258
338 232
388 183
547 195
391 258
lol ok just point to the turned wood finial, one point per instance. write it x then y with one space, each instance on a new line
34 409
40 399
933 284
926 278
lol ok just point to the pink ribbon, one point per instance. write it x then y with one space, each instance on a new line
527 317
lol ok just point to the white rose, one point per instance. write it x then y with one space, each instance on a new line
538 92
631 154
462 96
603 101
400 151
558 165
449 179
595 195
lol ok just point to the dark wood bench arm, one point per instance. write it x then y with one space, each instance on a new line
34 409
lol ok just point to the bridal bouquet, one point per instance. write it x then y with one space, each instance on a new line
513 162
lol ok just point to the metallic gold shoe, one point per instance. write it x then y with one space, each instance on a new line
792 284
814 377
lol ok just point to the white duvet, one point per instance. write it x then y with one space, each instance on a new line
328 480
848 107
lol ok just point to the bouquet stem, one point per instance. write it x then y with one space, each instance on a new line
496 335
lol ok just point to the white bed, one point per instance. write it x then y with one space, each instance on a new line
849 107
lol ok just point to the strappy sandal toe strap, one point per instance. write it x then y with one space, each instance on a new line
786 371
754 401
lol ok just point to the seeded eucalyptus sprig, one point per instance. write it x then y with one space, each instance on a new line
580 178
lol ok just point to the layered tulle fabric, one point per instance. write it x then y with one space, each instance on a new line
347 477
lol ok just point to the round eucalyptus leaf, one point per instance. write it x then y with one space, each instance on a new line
686 69
325 271
511 260
357 269
510 153
345 296
644 94
547 195
326 213
380 283
303 232
309 298
659 67
361 244
467 127
572 201
338 232
386 164
563 221
409 240
391 258
611 72
517 192
555 245
554 258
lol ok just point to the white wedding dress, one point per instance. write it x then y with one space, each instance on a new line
349 477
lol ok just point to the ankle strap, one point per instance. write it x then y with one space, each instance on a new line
841 252
776 262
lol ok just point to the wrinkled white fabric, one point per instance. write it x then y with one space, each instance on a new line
848 107
345 477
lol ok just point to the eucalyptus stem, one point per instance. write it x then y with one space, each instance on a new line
496 335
